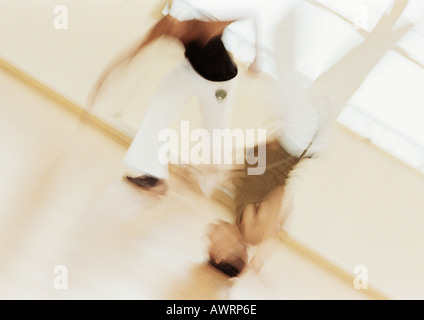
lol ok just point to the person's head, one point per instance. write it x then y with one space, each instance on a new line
227 252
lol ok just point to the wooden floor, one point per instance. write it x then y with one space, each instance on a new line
63 203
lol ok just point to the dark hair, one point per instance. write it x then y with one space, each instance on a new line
229 269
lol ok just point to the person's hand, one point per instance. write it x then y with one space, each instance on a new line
227 251
225 241
120 61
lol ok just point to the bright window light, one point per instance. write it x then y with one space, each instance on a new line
388 109
364 14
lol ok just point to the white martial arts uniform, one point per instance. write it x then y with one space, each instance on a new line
183 83
171 97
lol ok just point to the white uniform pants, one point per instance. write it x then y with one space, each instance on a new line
171 97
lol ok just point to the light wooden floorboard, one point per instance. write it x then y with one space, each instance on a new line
63 202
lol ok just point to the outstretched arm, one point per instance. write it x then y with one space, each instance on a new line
164 26
184 31
264 220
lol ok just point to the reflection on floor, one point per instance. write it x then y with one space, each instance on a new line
63 203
